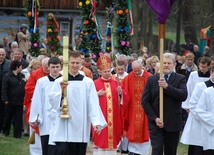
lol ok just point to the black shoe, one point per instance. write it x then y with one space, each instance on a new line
131 153
17 136
26 134
124 152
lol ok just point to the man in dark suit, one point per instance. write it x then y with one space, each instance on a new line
164 134
44 43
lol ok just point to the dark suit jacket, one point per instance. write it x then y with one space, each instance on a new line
24 63
174 94
129 68
43 46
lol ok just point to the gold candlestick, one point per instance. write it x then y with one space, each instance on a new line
65 113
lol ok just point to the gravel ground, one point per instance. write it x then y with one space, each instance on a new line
90 150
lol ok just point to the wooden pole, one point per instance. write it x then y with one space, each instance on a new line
162 32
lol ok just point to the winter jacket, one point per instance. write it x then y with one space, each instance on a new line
13 88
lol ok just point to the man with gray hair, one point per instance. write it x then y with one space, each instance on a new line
14 44
164 134
6 44
196 54
206 51
17 54
4 68
123 58
44 43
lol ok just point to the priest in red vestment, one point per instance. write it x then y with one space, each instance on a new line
29 89
108 91
136 121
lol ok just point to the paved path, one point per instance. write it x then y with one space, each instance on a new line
90 150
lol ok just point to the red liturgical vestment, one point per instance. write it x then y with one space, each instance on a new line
136 121
109 103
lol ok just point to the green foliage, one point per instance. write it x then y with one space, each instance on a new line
34 35
89 38
172 36
122 26
53 35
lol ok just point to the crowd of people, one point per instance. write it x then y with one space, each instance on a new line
115 103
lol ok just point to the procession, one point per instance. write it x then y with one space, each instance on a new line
70 89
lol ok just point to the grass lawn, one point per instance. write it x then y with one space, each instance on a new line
14 146
172 36
182 149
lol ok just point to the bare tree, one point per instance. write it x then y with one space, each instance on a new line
136 24
188 21
212 31
143 25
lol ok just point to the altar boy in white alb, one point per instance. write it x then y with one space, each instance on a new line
193 131
205 114
40 104
195 77
71 135
188 136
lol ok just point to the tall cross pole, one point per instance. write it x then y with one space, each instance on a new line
65 113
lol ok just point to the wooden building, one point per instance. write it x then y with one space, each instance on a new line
67 13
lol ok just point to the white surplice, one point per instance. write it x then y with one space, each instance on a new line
205 113
83 107
192 81
40 105
192 133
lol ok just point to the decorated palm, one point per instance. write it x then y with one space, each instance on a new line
32 13
53 36
90 40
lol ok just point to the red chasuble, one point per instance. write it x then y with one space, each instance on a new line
136 121
109 103
29 89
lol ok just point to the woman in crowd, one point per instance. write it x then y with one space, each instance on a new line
13 91
151 63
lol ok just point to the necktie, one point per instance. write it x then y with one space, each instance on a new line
166 77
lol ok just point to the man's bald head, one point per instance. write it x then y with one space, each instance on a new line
137 67
137 64
45 65
2 50
2 55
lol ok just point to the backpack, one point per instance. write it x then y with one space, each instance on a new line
16 38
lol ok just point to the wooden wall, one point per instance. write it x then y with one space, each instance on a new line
52 4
